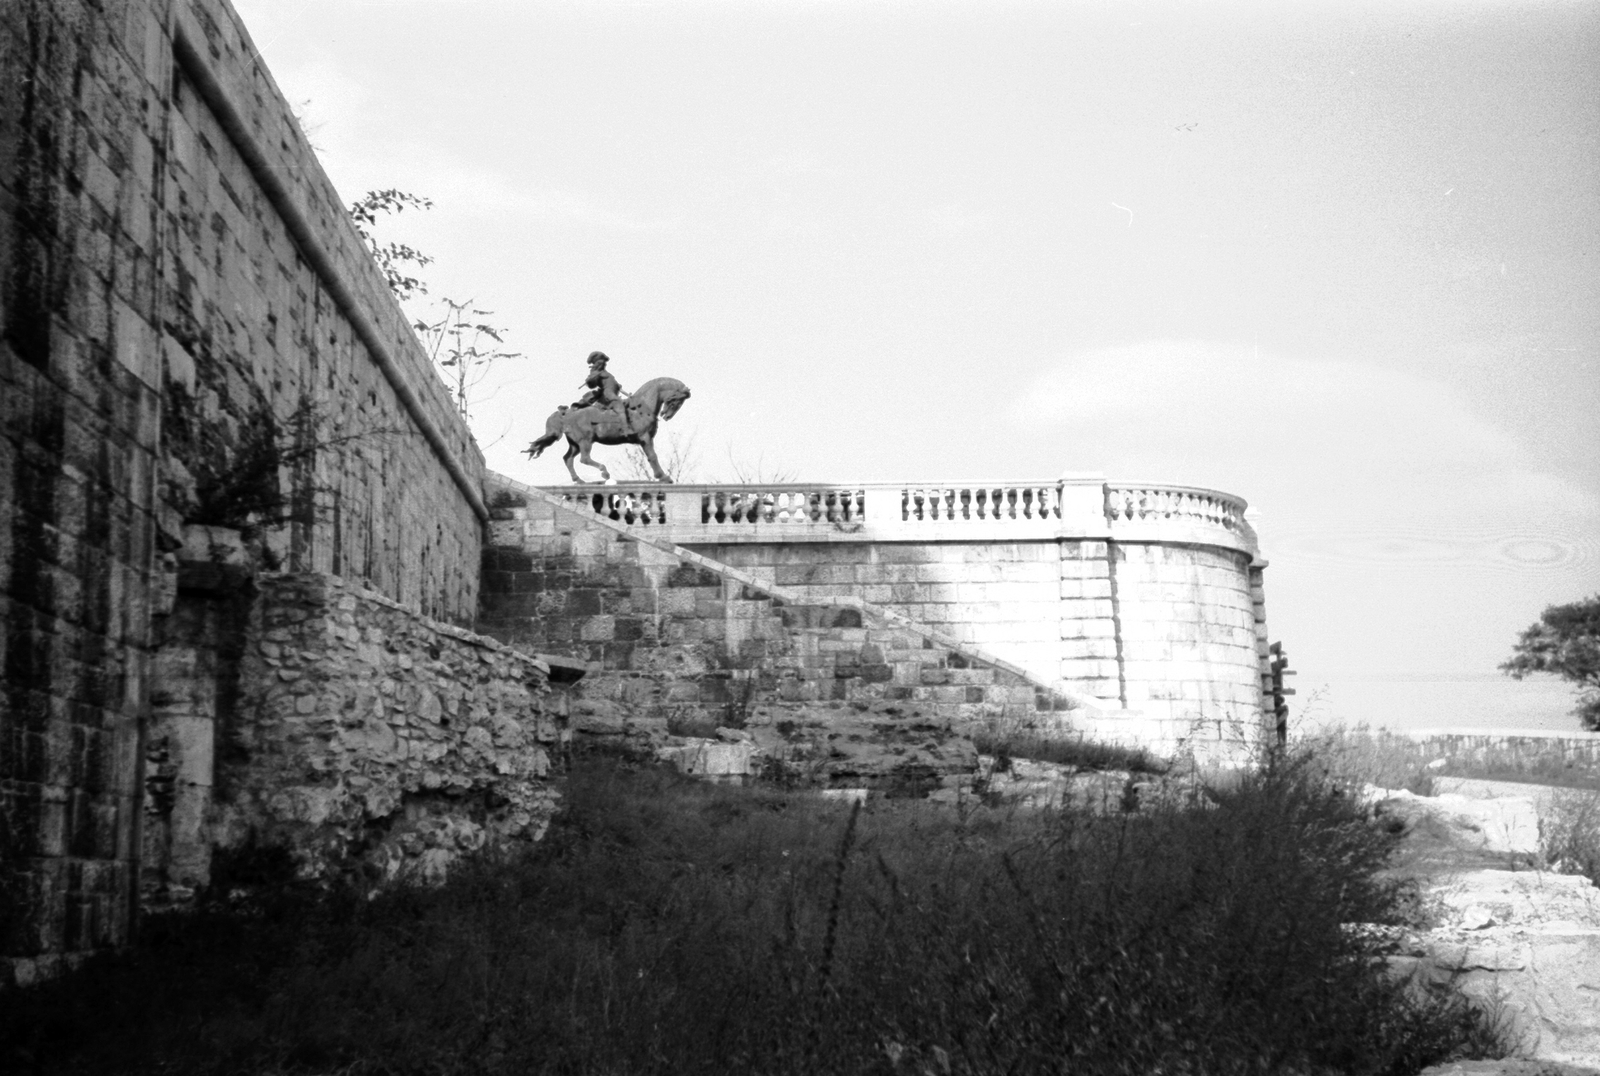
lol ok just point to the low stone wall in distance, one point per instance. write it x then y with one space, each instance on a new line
1528 753
370 737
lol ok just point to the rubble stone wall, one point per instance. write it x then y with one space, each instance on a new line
191 332
369 737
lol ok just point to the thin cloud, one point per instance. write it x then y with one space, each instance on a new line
1359 437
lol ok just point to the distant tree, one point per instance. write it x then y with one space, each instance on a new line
758 472
678 457
1565 641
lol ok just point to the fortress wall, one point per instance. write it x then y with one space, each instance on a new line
1187 624
1167 634
369 737
190 333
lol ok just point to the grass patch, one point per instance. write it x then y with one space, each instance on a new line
666 926
1066 751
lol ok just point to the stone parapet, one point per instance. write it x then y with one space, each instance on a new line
1068 508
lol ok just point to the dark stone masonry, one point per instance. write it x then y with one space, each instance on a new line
192 335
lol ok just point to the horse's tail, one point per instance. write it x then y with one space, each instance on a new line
553 429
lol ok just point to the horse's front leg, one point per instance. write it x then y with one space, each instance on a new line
647 443
572 454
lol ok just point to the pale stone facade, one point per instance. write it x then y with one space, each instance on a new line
1145 599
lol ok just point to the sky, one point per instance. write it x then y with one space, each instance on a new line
1338 259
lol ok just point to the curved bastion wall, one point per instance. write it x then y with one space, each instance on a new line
1145 597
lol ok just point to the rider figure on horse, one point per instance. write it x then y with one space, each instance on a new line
604 392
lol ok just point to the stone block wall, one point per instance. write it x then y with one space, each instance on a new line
358 735
1187 621
191 333
677 643
1168 629
1001 596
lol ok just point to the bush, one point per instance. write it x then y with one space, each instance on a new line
1066 751
670 927
1569 833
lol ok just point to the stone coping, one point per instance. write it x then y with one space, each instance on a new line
462 635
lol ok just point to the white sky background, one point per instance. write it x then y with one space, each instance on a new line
1338 259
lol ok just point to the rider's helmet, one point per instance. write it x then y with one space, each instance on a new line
598 358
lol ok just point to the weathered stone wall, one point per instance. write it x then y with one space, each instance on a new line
1002 596
190 333
675 641
359 736
678 635
1533 752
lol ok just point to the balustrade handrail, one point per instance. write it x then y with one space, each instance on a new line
796 487
1170 487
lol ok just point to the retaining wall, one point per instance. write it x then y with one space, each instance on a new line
191 332
1145 597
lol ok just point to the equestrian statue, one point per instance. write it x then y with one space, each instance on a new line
609 416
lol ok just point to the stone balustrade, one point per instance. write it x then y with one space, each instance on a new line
909 511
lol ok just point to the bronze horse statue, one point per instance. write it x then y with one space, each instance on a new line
635 424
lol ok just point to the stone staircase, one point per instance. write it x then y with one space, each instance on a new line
680 645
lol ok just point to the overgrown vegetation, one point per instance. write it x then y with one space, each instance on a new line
1007 744
1568 795
672 927
1393 760
1569 833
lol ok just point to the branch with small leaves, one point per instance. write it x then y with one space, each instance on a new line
392 258
462 347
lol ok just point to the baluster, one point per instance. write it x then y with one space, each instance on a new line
916 497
